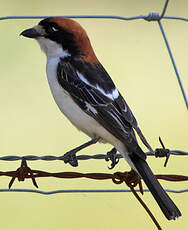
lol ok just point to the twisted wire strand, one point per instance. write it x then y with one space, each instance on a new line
79 157
150 17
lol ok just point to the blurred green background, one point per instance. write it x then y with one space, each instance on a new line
136 58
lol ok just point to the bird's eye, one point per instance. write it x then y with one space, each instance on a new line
51 29
54 29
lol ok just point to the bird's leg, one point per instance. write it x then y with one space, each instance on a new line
70 156
111 156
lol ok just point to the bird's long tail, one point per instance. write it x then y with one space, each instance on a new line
165 203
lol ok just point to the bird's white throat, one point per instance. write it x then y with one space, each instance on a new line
51 48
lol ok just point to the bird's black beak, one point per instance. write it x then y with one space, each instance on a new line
31 33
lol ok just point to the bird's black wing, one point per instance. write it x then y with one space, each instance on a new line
96 99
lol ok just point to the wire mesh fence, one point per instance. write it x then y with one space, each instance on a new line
156 17
37 191
150 17
24 172
79 157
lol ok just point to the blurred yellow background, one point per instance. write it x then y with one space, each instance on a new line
135 56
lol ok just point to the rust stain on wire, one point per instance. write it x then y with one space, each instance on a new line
25 172
131 179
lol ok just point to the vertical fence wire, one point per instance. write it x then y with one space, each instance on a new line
150 17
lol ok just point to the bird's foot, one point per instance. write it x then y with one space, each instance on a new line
112 156
70 157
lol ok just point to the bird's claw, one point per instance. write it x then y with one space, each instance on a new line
70 157
111 156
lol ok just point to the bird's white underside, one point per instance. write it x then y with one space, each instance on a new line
68 107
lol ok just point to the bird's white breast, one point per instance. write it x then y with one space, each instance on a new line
73 112
67 106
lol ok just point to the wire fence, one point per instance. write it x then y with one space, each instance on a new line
79 157
85 191
157 17
150 17
24 172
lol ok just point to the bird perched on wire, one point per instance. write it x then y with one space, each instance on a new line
87 96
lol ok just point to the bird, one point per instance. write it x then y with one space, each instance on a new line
87 96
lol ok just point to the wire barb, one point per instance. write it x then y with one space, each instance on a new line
131 179
163 152
21 173
24 172
80 157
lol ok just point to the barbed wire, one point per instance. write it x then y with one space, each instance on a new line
150 17
131 179
24 172
79 157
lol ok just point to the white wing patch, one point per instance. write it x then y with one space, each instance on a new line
125 109
82 78
91 108
113 95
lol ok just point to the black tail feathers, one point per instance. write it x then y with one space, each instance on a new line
165 203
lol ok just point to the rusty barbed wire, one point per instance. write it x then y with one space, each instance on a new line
24 172
131 179
150 17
